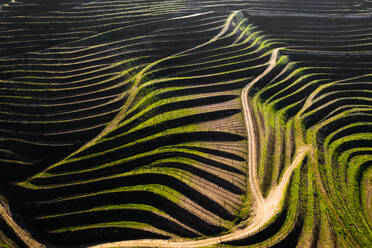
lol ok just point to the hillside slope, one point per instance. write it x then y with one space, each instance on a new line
186 123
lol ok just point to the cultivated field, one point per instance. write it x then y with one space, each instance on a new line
181 123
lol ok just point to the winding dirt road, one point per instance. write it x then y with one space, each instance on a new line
264 209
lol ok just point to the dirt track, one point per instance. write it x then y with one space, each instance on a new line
264 209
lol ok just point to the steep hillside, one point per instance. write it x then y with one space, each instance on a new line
186 123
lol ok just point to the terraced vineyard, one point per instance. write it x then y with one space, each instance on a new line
182 123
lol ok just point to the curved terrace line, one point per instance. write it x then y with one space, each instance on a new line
26 237
265 208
